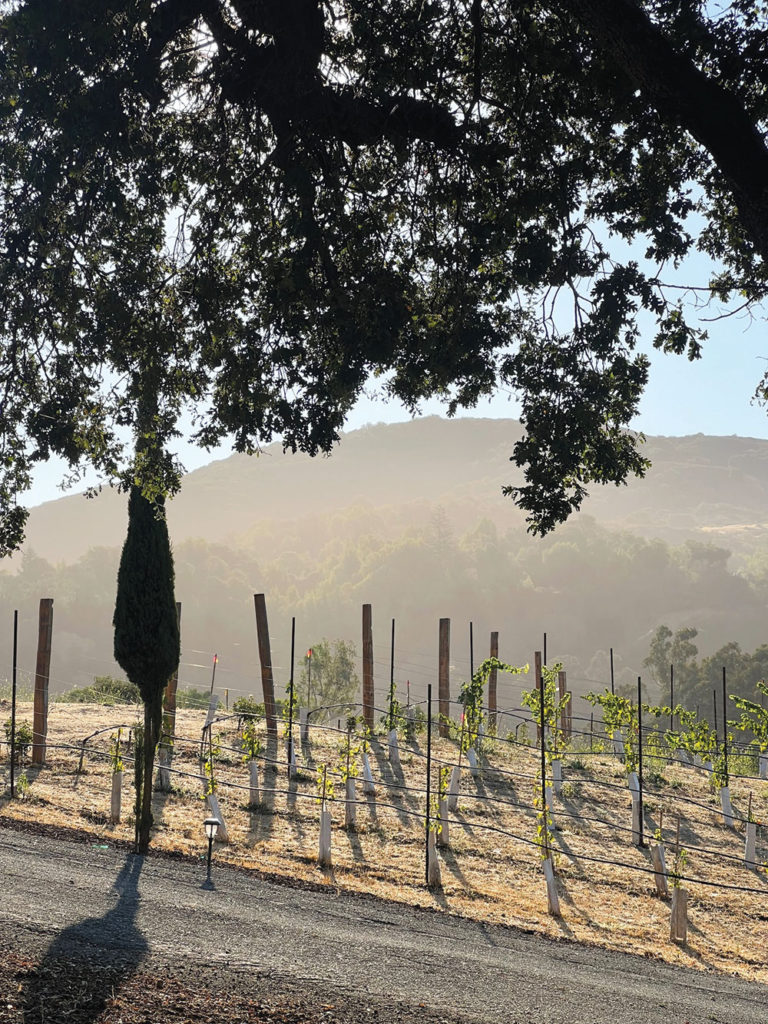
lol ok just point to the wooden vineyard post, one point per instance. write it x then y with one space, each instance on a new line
443 676
492 701
42 675
368 691
539 681
265 657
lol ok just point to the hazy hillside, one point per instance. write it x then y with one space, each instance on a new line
705 487
410 519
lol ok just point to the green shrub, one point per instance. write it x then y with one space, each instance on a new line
191 698
415 722
251 744
248 706
23 733
105 690
23 738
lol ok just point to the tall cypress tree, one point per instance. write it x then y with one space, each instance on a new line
146 628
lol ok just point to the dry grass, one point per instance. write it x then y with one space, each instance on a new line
486 874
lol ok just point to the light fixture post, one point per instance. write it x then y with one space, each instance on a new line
211 828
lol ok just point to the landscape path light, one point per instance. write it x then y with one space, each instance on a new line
211 828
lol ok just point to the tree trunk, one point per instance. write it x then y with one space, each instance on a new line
153 719
138 776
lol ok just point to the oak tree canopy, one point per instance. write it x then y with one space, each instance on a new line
246 208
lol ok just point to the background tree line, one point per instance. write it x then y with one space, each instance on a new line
589 587
698 681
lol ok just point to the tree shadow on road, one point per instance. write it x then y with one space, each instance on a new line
85 965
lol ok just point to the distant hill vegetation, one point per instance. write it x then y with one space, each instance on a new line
700 487
410 518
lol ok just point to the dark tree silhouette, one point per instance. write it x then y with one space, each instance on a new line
146 629
277 200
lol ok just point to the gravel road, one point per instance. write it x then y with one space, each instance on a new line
372 959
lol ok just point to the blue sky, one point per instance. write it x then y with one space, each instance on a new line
710 396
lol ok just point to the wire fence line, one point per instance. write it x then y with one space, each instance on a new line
612 829
420 791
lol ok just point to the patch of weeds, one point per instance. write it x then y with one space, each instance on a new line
23 739
577 764
657 779
22 787
571 790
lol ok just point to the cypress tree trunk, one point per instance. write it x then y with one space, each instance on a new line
138 776
153 721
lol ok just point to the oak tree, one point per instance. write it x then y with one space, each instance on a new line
281 198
